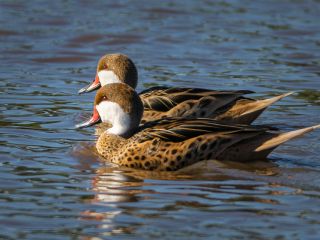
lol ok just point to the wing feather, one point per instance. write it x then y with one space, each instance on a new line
180 129
164 98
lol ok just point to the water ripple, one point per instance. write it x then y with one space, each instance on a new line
53 184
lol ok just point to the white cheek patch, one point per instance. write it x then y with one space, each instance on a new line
102 109
112 112
107 77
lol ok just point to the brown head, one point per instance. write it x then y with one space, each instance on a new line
118 104
113 68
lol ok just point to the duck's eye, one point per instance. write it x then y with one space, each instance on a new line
105 66
104 98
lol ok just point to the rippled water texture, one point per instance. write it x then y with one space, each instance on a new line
52 184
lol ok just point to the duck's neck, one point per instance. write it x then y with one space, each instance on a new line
122 123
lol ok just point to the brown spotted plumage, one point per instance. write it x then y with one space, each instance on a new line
161 102
172 143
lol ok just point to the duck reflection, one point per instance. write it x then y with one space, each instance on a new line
124 194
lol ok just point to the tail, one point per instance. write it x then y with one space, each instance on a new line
284 137
263 104
246 111
259 147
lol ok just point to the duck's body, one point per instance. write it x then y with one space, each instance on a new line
173 143
162 102
226 106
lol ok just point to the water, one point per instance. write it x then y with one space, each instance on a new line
53 185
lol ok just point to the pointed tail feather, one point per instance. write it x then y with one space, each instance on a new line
245 111
262 104
253 110
259 147
284 137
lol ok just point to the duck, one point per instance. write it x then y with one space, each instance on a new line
162 102
170 144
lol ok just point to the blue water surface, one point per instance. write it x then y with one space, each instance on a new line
52 184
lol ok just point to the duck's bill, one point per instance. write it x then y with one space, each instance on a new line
88 123
95 119
91 87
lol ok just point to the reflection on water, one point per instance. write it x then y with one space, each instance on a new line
211 198
53 185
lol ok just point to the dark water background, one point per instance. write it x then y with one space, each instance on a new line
52 185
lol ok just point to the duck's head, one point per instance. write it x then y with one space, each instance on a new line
113 68
118 104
